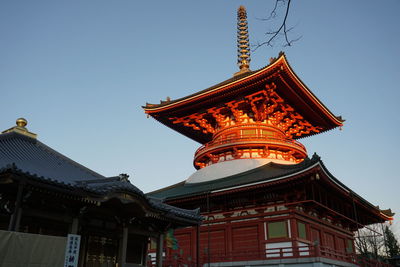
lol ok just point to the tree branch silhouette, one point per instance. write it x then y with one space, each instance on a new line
283 29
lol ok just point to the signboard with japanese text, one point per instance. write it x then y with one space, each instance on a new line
72 250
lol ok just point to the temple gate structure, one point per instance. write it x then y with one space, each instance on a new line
264 201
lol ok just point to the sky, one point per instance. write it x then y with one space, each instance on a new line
80 72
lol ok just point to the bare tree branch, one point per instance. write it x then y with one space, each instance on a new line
273 12
282 30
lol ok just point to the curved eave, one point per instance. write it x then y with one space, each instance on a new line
375 210
125 196
281 61
316 165
156 108
298 93
311 96
386 217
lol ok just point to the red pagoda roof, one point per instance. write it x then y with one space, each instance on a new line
277 74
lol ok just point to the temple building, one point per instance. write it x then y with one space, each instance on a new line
264 200
43 192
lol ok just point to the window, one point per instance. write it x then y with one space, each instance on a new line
153 243
349 247
249 132
267 133
315 235
277 230
301 228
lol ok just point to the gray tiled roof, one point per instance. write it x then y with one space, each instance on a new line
159 204
27 156
263 173
109 185
33 157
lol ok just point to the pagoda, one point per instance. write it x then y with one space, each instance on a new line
262 197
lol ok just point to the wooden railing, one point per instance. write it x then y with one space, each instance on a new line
248 139
309 251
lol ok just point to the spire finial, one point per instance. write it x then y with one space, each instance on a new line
20 128
21 122
243 41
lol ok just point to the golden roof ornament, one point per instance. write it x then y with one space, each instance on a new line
243 46
20 128
21 122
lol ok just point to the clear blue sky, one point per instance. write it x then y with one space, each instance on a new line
80 71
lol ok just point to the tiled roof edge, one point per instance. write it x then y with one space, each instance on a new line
13 168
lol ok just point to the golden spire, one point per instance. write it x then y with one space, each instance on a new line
243 41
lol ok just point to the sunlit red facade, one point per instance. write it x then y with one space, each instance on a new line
264 201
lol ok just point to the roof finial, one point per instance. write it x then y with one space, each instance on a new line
20 128
243 41
21 122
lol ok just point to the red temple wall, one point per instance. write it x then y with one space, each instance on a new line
244 234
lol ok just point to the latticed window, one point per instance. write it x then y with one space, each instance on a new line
301 228
249 132
349 247
266 133
277 230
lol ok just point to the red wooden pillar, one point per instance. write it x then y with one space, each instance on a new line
228 239
294 236
317 249
261 240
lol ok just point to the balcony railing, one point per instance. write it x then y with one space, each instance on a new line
308 251
249 139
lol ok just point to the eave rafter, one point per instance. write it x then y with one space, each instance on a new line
217 114
197 121
263 106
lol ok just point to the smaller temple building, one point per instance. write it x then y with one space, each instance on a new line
43 192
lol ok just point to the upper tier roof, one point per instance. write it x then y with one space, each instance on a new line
279 72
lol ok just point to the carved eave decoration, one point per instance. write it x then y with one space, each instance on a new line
272 95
